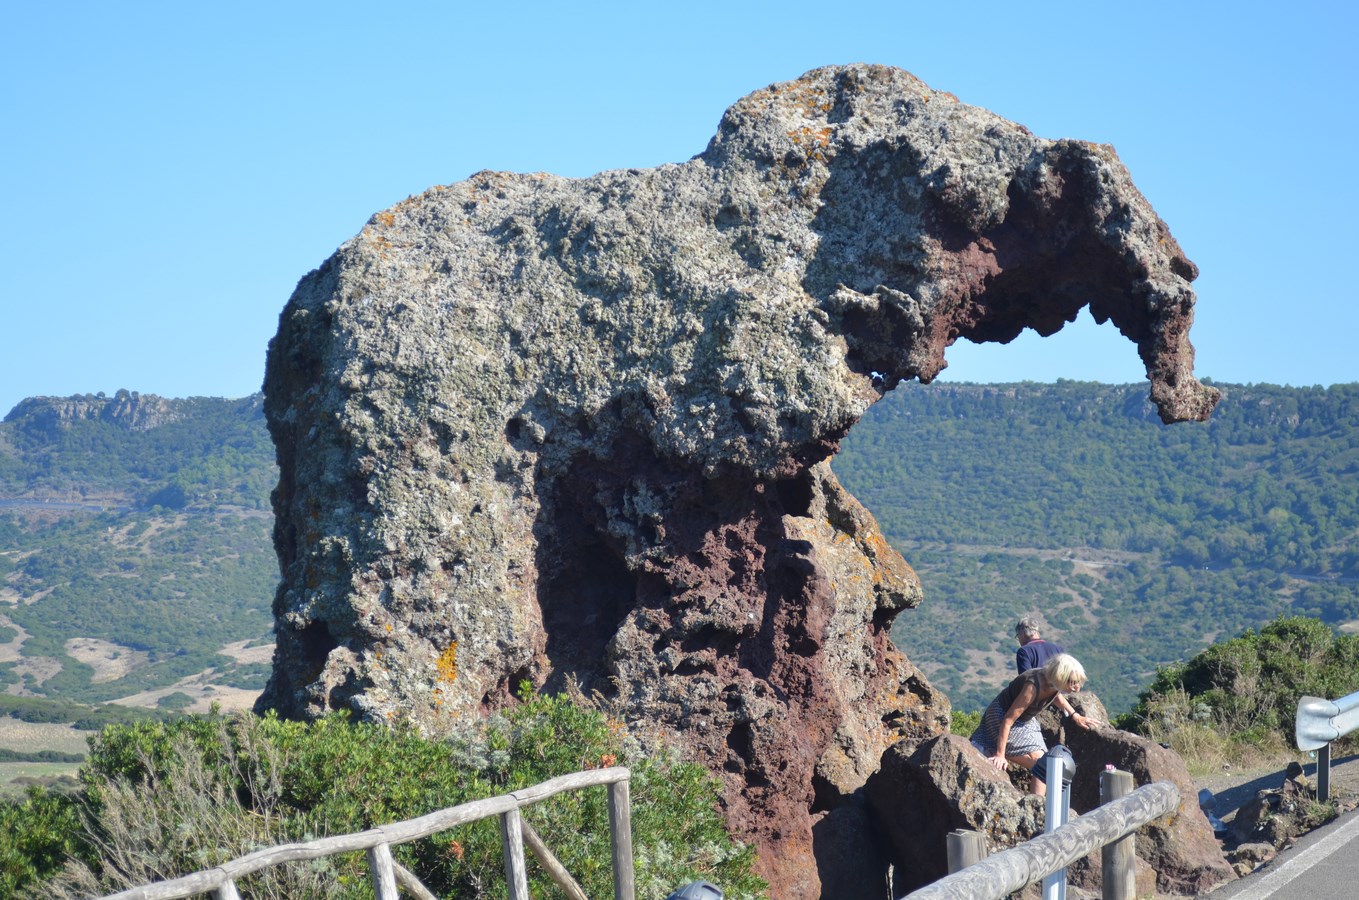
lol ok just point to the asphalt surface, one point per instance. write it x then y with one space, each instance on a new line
1322 865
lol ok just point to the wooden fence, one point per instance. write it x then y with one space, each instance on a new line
1029 863
386 872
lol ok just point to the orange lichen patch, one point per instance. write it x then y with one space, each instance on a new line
447 663
386 218
811 140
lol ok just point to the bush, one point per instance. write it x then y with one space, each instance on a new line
964 723
175 701
37 835
177 797
1239 698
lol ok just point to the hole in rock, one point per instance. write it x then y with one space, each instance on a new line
826 796
584 595
315 642
795 494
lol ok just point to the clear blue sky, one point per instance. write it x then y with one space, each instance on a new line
170 170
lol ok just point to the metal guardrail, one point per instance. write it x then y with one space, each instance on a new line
1320 721
377 842
1034 860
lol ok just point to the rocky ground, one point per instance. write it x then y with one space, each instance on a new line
1231 789
1255 825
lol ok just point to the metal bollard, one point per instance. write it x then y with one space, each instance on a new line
1058 780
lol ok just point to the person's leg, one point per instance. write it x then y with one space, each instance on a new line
1027 761
1037 786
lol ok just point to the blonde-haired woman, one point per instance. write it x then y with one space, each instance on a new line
1009 730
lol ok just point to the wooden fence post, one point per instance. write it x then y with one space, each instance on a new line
384 877
512 839
620 832
1118 879
965 847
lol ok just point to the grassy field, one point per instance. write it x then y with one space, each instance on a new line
27 737
10 786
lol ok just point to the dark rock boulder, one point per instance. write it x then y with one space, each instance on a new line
1180 847
578 431
1275 817
920 794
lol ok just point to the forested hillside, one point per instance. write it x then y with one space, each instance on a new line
134 548
135 553
1138 543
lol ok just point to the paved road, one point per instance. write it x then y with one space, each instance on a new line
1322 865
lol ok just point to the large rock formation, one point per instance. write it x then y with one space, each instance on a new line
567 430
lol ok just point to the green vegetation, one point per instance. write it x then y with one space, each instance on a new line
174 798
152 541
55 756
1237 700
1137 543
201 451
78 715
37 835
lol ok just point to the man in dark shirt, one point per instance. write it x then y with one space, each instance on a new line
1033 650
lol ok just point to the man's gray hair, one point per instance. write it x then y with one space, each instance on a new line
1027 627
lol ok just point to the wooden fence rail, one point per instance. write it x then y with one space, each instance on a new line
1030 862
387 873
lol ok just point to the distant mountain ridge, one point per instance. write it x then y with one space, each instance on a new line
125 408
133 447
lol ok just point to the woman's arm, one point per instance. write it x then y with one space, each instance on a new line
1069 712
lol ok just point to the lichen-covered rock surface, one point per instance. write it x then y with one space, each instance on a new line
565 430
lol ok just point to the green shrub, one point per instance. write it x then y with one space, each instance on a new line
37 835
175 701
964 723
186 795
1241 695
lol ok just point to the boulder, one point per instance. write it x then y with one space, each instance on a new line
578 431
1275 817
920 794
1246 858
1181 847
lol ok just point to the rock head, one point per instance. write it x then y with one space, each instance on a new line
577 431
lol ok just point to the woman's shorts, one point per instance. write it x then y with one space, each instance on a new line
1025 738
